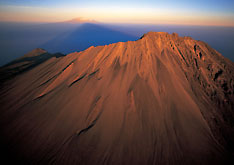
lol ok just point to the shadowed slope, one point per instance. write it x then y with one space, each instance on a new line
162 99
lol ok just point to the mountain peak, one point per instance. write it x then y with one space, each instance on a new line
163 35
35 52
81 20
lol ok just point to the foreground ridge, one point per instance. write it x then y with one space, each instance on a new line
162 99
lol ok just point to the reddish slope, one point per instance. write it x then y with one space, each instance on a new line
162 99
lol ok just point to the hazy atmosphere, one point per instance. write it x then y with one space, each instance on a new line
200 12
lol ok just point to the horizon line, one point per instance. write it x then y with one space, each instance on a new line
117 22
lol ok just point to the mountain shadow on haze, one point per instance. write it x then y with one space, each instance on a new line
85 36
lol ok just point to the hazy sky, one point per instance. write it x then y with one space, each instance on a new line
198 12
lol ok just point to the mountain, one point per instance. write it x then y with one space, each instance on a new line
162 99
81 20
25 63
88 34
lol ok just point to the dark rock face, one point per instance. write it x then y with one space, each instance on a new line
162 99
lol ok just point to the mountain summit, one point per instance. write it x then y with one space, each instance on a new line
81 20
162 99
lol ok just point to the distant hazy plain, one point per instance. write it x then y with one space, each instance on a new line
16 39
